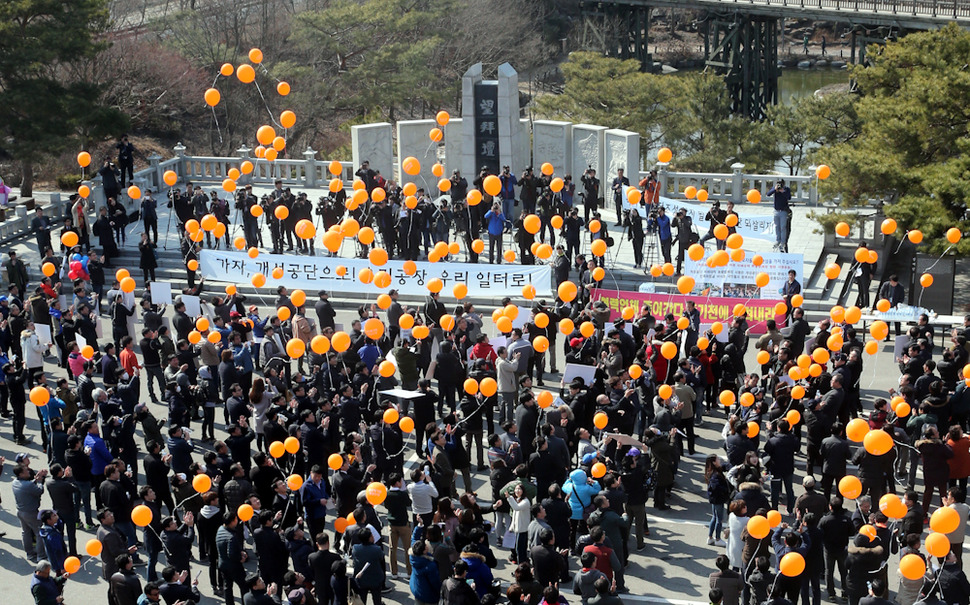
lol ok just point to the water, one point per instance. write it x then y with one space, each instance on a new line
798 83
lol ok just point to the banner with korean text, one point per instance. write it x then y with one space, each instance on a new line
750 225
711 309
314 273
737 279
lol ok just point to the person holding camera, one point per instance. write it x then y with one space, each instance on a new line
618 183
685 236
530 190
782 197
716 216
591 191
661 224
496 227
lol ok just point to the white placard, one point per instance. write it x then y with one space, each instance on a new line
319 273
525 314
573 370
750 225
721 336
43 332
737 280
193 307
498 341
81 343
162 293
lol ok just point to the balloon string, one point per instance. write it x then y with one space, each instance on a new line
266 105
930 268
216 120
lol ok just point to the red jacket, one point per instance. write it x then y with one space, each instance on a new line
603 555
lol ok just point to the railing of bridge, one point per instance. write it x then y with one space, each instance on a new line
940 9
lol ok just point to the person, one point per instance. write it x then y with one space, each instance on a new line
496 227
635 235
229 546
41 226
956 498
718 494
16 271
425 581
126 159
661 224
782 197
728 581
788 290
617 186
591 192
28 487
124 587
368 559
455 590
147 260
894 292
862 276
45 589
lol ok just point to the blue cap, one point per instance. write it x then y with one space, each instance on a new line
633 452
589 459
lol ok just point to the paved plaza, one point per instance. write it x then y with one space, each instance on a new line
672 569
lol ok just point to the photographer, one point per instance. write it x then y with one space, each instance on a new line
244 203
685 236
496 227
303 210
530 190
508 190
618 183
661 223
591 191
459 187
716 216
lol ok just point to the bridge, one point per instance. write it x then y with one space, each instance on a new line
741 36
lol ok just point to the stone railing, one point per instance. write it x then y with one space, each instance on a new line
734 186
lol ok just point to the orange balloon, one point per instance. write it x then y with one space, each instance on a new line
600 420
758 527
850 487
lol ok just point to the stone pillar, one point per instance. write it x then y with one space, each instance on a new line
587 150
154 160
181 168
622 150
468 81
737 180
522 146
373 143
509 126
552 142
455 147
413 141
310 156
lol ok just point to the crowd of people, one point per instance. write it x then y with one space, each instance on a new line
313 479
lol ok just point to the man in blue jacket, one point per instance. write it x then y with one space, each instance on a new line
496 226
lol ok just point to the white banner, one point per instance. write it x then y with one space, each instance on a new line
737 280
314 273
750 225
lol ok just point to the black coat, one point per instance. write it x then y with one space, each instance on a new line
271 552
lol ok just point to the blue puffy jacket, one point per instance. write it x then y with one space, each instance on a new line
478 571
496 222
425 580
579 493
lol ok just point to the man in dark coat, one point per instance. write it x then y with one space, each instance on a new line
781 447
